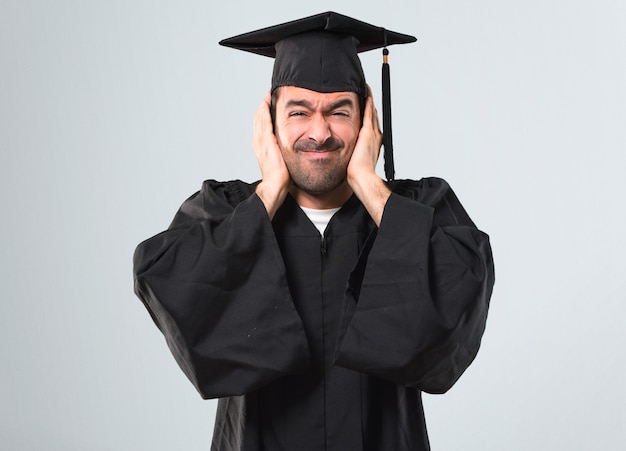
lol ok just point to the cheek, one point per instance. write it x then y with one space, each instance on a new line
348 133
287 134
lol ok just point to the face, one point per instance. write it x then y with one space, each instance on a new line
316 133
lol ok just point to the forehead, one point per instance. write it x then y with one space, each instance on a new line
289 94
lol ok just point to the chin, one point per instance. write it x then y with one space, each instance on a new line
322 188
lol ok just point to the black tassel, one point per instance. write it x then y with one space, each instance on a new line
387 134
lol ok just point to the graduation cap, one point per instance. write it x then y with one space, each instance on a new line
320 53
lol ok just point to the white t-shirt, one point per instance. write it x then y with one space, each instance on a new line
320 218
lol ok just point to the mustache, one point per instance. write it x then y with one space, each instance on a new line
306 145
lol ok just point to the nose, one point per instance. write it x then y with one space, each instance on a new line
319 130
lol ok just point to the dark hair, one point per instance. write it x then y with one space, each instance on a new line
273 106
362 101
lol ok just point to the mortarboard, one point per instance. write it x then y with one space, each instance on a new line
320 53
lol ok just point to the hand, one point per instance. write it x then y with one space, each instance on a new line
362 178
367 148
275 179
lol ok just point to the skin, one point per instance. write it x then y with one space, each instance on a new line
320 152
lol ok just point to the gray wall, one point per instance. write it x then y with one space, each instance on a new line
113 112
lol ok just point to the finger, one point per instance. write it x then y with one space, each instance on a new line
372 119
370 116
263 111
260 123
375 122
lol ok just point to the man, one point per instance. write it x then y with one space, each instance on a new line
319 302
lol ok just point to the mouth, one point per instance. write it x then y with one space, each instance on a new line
320 150
319 155
329 146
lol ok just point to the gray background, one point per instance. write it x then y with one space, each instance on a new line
113 112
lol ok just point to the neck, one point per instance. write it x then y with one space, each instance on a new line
323 201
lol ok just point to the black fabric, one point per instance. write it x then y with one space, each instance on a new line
316 342
318 52
369 37
387 130
322 62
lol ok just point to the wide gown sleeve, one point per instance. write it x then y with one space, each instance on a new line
416 303
215 285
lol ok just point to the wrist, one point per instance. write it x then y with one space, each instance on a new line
272 196
373 194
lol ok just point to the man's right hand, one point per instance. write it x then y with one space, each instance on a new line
275 179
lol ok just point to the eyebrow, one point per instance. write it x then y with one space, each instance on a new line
341 103
301 103
333 106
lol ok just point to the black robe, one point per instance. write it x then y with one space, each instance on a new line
319 343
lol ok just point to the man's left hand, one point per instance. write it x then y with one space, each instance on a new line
362 178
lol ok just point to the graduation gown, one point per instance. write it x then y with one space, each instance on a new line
319 342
